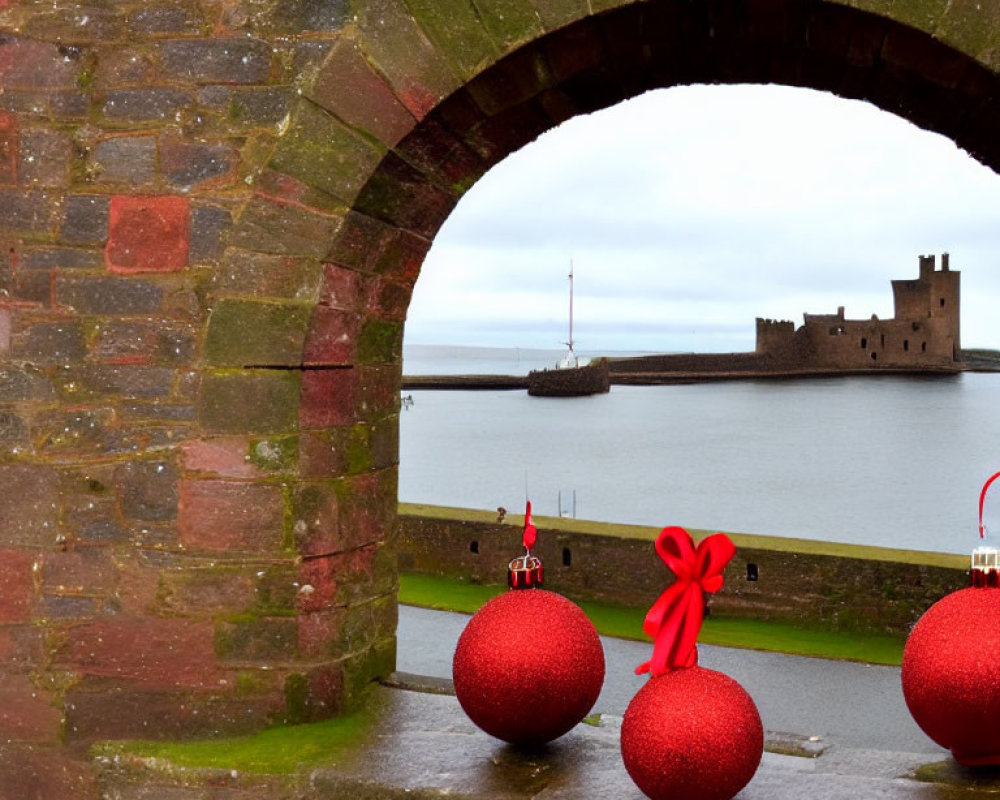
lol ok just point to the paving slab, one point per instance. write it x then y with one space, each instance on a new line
426 746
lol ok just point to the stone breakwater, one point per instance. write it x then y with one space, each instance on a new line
813 584
690 368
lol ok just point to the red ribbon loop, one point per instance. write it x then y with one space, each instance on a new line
675 618
982 499
530 531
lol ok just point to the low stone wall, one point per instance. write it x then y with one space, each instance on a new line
840 587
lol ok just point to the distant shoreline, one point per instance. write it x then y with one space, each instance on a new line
973 361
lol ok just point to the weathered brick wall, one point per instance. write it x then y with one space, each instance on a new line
855 589
212 214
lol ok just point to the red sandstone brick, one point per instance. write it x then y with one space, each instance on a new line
206 591
148 234
379 389
326 691
8 149
343 289
392 300
320 633
39 773
402 256
21 646
328 398
138 586
291 191
228 516
317 520
360 241
187 164
31 64
368 512
16 585
332 337
322 455
320 576
150 651
5 328
93 711
223 456
87 570
349 87
26 713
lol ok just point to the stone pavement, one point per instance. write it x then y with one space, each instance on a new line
422 746
846 704
426 747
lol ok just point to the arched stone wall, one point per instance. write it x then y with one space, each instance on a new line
212 214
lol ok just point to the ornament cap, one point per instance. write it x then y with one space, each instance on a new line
525 572
985 568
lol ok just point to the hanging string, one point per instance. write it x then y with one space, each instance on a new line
675 618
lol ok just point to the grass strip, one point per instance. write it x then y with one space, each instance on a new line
280 750
449 594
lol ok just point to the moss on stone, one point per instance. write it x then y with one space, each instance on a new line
924 15
296 698
324 153
380 342
456 27
243 333
557 13
274 454
280 750
359 451
258 402
509 22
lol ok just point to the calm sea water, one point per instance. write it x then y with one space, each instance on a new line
890 461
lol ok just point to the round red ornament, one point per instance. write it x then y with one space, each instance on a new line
529 665
690 733
951 674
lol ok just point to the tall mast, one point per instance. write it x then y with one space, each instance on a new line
570 342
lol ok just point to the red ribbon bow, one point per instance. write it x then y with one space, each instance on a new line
675 618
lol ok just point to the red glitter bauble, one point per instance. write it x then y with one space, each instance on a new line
528 666
951 674
692 734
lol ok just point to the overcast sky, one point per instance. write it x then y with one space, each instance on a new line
689 212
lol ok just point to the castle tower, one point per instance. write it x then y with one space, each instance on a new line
932 300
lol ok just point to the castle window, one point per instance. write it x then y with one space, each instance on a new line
474 547
864 342
874 356
916 326
567 557
942 302
752 572
923 347
906 344
883 340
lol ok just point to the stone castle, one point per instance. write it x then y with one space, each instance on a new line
924 332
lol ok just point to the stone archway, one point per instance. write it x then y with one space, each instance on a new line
213 216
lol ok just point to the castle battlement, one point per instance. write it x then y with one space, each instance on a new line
924 330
